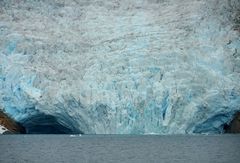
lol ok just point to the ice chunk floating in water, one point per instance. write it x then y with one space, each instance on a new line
120 67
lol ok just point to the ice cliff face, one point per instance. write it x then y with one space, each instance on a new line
122 67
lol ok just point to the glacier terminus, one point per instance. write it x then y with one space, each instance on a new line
120 67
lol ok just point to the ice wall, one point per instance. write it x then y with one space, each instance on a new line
124 67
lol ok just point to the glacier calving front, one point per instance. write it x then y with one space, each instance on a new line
121 67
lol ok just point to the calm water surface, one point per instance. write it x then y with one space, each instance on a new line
116 149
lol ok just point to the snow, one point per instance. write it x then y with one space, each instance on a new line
2 129
122 67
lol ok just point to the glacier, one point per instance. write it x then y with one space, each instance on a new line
120 67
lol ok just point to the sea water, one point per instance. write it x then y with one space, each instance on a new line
120 148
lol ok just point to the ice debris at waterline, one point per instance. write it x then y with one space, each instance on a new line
120 67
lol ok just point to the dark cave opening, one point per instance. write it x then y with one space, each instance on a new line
234 125
47 124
